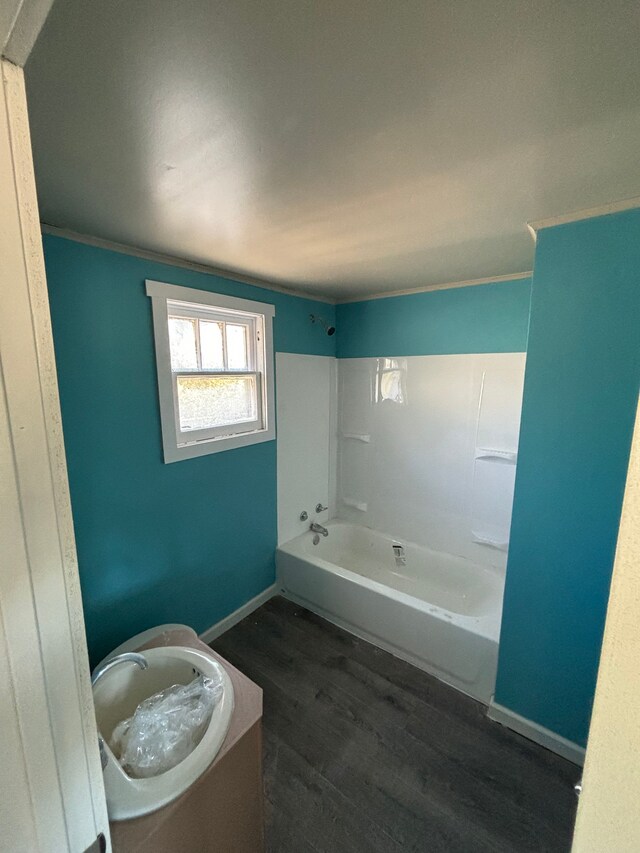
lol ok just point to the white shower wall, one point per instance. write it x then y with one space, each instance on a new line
306 425
427 448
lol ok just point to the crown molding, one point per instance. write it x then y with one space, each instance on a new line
533 226
587 213
427 288
158 257
230 275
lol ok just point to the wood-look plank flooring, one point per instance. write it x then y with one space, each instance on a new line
367 754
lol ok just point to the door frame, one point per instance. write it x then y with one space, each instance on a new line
53 790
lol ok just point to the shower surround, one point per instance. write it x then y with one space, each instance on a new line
421 465
427 447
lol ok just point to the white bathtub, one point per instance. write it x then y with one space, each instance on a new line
439 612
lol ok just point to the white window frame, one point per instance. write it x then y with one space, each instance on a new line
171 299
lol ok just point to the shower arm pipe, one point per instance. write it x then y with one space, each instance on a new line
330 330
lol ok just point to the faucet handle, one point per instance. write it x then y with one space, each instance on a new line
320 508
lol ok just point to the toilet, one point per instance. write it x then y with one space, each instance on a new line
223 808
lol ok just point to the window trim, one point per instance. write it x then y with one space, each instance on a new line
262 313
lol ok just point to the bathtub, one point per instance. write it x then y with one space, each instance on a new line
437 611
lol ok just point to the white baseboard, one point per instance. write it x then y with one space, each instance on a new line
538 734
238 615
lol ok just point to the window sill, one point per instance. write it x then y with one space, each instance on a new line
216 445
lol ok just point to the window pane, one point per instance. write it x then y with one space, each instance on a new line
213 401
182 339
211 350
236 347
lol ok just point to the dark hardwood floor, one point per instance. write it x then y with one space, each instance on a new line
365 753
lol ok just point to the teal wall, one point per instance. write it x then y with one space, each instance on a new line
482 318
580 397
187 542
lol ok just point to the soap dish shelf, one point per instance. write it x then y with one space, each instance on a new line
357 436
492 454
489 542
352 502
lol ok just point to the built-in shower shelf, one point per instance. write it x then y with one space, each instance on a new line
494 454
490 542
357 436
352 502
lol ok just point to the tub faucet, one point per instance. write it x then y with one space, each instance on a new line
132 657
314 527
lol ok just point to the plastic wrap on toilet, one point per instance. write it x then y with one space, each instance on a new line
166 727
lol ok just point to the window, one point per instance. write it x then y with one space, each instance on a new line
214 356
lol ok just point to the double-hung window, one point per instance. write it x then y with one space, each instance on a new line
214 357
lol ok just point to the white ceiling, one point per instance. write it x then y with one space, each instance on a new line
346 147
